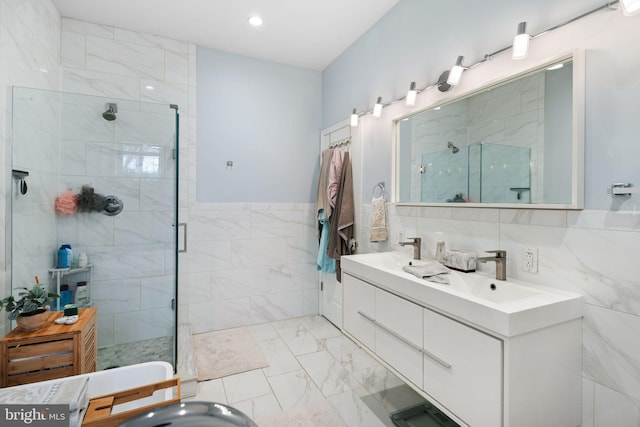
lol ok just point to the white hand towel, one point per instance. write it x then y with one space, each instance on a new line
432 271
378 220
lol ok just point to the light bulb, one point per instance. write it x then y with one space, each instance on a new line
411 94
521 42
354 118
456 72
377 109
256 21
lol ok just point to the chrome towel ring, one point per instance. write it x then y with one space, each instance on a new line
379 190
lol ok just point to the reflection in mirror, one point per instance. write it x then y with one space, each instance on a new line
511 143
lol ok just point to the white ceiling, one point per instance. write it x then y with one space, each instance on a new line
303 33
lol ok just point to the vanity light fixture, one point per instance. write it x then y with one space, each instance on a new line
377 109
521 42
456 72
450 78
354 118
411 94
255 20
630 7
442 84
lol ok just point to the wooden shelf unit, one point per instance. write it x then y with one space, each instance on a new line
53 351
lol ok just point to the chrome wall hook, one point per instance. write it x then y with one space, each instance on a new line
20 176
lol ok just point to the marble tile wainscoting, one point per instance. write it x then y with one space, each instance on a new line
248 264
589 252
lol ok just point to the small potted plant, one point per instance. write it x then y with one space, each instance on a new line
31 309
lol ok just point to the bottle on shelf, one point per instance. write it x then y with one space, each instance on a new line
83 260
70 259
63 258
66 296
82 294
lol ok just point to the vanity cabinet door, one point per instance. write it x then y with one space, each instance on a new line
399 334
359 310
463 370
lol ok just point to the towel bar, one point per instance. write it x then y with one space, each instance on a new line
622 189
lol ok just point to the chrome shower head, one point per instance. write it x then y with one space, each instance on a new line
452 147
110 114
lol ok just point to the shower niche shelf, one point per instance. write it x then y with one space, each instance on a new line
59 273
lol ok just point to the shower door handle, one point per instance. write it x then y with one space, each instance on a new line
184 237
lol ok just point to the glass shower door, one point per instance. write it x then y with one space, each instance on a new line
115 150
445 177
505 173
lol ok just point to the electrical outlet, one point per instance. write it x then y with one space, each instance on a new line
530 260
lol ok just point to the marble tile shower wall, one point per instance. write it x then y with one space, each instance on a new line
249 264
589 252
35 145
427 132
134 261
511 115
29 57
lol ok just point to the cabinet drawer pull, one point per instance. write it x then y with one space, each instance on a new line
436 358
369 318
391 332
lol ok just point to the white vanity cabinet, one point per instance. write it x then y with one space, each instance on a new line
399 334
478 377
358 318
389 326
463 369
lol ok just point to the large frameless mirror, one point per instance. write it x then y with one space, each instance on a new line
517 143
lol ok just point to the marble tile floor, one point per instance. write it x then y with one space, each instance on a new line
136 352
316 377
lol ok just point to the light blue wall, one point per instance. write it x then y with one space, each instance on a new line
263 116
419 39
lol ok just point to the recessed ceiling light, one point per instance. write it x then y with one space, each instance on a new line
555 67
149 87
256 21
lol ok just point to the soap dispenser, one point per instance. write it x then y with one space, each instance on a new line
440 252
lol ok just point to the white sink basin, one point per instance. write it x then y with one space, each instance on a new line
490 289
506 307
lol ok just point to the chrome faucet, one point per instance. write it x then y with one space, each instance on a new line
416 242
500 259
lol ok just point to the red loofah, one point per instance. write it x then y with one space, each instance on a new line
67 203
